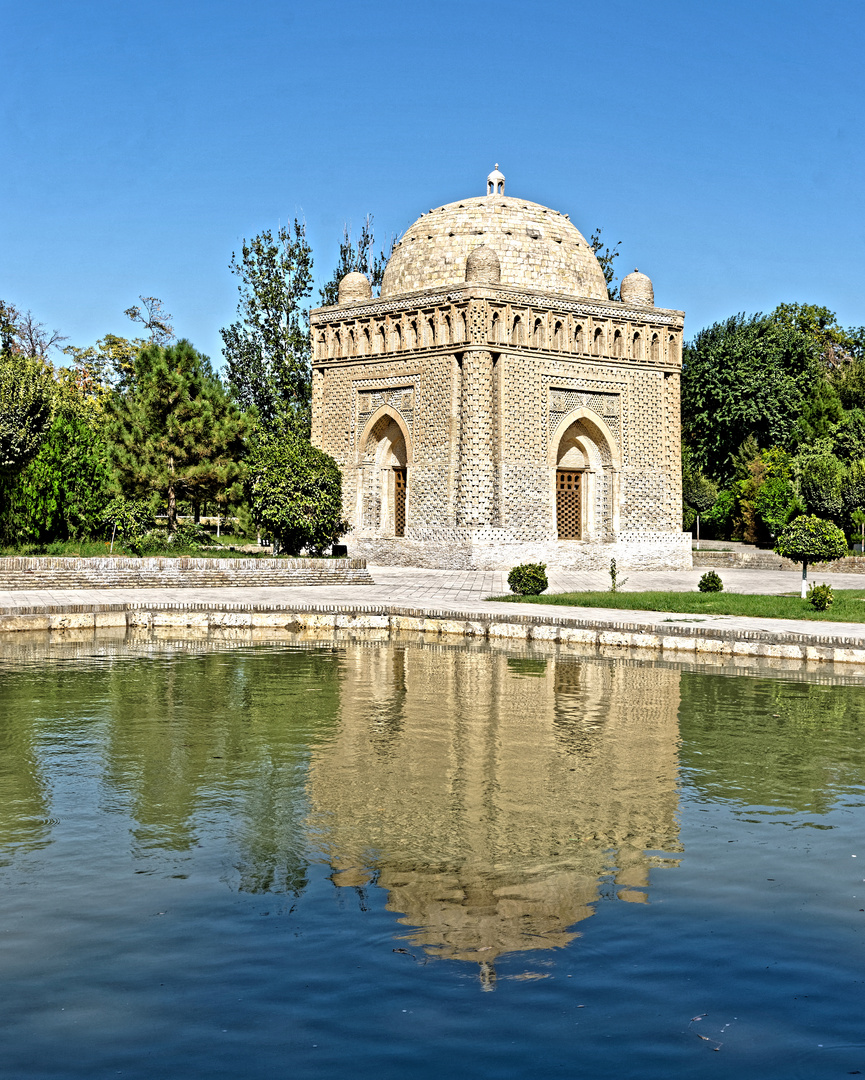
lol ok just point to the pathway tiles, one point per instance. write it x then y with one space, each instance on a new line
465 592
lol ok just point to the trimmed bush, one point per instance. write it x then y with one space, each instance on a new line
820 597
809 540
710 582
529 579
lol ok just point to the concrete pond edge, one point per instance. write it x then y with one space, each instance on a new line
395 619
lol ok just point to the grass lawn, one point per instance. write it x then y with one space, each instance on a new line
849 604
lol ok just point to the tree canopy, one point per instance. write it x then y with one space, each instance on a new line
267 348
357 257
26 409
744 376
175 433
295 492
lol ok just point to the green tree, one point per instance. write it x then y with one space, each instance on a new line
295 492
821 413
832 343
776 501
267 349
821 480
155 321
175 432
849 435
854 490
105 366
62 493
698 491
359 258
810 539
27 400
744 376
605 256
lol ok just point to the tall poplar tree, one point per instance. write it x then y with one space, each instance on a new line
267 349
175 431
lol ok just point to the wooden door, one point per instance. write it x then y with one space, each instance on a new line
400 483
569 504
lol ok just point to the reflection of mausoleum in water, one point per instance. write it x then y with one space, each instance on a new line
490 795
494 406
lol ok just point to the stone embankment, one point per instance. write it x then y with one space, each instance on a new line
606 634
109 572
768 560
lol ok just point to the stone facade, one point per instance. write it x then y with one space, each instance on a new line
494 407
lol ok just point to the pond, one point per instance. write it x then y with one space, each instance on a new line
407 858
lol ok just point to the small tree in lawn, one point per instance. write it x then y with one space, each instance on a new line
295 492
698 491
811 539
175 433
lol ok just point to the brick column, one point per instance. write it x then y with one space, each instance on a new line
476 503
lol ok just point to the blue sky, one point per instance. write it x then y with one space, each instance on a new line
721 143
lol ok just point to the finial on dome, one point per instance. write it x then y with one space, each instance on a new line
636 289
495 182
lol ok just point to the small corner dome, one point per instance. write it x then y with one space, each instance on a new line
354 287
636 289
483 266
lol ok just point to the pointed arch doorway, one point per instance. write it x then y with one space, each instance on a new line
383 490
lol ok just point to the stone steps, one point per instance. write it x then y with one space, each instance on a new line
751 560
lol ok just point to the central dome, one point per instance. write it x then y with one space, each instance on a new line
537 249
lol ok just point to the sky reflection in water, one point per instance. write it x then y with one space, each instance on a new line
226 859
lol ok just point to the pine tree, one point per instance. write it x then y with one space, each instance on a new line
175 432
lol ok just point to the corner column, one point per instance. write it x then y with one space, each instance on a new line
476 503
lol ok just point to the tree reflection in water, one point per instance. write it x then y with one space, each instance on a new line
494 793
494 797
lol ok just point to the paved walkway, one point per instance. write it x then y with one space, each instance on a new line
466 591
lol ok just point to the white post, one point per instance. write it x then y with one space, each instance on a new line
698 532
804 577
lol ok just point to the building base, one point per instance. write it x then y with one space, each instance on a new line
482 549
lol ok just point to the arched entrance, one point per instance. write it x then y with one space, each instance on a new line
383 476
585 460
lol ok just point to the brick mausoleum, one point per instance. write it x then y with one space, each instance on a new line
493 406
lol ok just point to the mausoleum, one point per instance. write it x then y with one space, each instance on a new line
493 406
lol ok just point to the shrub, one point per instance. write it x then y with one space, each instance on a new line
529 579
820 596
710 582
810 539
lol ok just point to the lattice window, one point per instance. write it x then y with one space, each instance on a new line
400 486
569 504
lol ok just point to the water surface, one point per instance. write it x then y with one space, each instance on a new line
413 859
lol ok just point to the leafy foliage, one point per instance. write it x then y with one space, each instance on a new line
528 579
810 539
27 402
267 349
820 597
154 320
62 493
127 519
295 492
359 258
175 433
710 582
22 335
744 377
605 256
107 365
822 482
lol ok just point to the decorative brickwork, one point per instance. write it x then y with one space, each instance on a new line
479 392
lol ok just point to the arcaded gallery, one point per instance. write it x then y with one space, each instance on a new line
493 406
